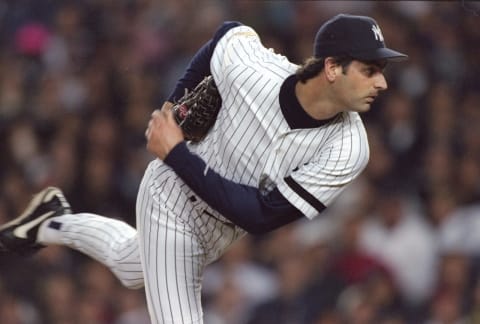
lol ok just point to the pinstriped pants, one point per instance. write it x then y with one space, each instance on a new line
176 237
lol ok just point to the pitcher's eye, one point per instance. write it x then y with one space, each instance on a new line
370 71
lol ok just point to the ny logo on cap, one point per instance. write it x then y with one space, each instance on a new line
377 32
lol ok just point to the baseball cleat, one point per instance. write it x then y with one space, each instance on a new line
20 234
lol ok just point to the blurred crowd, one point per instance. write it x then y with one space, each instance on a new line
79 80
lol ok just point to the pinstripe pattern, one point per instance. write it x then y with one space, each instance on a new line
178 238
109 241
251 143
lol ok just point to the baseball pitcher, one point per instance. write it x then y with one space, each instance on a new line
256 143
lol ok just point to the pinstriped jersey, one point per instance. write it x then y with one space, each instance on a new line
252 143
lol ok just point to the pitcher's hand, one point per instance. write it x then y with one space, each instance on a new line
163 133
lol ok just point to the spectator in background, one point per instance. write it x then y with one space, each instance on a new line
236 283
352 265
399 237
287 306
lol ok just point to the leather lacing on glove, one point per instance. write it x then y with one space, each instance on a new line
196 112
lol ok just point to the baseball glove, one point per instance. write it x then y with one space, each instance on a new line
197 110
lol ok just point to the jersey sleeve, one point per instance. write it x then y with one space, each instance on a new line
239 47
199 66
244 205
315 185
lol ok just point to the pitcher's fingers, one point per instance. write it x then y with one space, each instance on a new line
169 115
167 106
156 112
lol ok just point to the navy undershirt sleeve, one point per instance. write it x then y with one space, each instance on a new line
199 66
243 205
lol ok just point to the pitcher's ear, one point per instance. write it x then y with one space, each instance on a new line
332 69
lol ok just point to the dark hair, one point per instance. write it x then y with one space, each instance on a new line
314 65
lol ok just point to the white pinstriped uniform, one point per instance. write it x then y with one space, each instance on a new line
251 143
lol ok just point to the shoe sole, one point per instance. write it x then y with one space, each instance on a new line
44 196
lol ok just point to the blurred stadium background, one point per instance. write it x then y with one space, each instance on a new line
79 79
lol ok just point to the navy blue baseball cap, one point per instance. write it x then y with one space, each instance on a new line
359 37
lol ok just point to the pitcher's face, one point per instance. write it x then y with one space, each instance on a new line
359 84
